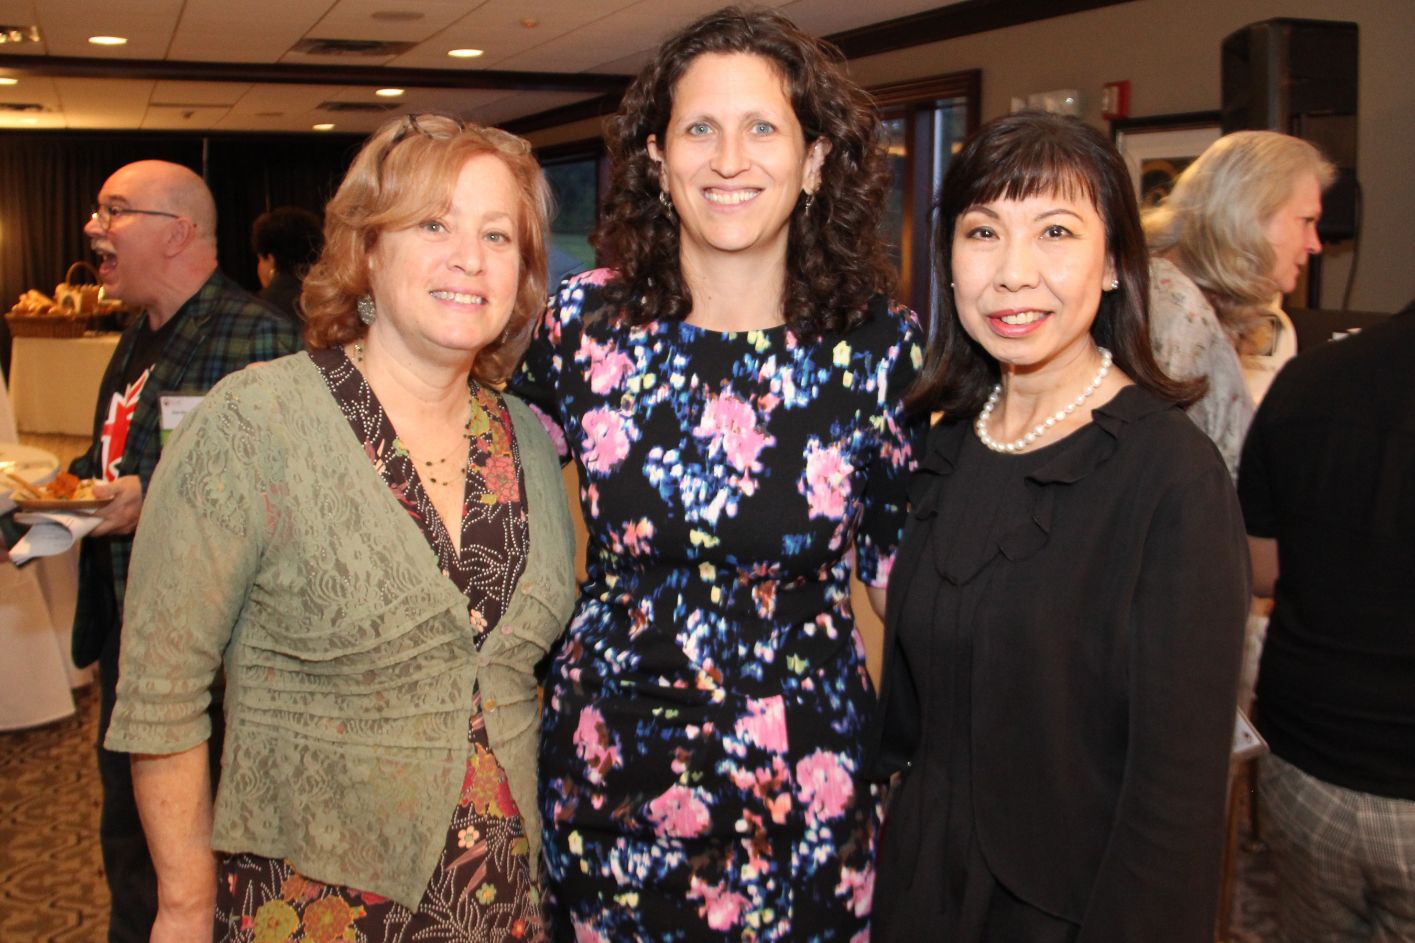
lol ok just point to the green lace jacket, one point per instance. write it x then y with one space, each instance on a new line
270 544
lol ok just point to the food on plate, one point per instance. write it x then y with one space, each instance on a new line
66 487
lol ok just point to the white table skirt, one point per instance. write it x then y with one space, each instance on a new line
36 619
54 381
34 687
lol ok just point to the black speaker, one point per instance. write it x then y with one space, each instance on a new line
1299 77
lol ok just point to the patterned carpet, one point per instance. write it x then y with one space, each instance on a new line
51 878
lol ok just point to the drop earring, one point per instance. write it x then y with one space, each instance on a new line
367 312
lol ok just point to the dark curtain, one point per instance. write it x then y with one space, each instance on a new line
250 175
49 181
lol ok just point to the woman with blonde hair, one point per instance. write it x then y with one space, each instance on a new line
373 543
1235 232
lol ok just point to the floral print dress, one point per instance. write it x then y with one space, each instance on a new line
482 890
703 735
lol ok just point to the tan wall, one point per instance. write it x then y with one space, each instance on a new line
1169 51
588 129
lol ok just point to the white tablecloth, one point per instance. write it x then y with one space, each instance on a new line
54 381
36 618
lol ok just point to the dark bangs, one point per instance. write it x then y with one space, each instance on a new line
1018 163
1017 157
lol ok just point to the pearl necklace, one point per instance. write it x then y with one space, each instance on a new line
467 436
980 426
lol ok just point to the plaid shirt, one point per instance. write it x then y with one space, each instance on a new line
219 330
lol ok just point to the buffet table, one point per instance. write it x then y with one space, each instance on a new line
54 381
36 617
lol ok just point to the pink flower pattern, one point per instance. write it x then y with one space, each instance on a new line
594 745
680 812
730 424
827 788
607 366
705 716
606 441
826 481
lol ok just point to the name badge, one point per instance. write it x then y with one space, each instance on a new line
173 406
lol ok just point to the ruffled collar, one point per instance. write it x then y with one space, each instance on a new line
1023 528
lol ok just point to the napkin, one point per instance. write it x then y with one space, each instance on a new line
50 533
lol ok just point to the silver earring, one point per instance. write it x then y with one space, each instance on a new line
665 201
1115 284
367 312
810 200
951 285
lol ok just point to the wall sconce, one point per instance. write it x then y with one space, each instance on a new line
1061 101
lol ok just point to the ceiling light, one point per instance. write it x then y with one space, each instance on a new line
6 80
108 40
324 127
19 34
530 22
389 92
465 53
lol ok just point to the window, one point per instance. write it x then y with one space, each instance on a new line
925 122
574 179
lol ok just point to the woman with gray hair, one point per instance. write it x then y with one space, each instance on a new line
1236 231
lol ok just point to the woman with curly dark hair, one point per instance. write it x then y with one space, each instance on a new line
730 393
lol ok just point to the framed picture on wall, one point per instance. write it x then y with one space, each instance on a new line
1158 148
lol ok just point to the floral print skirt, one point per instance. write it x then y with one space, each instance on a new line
481 892
746 820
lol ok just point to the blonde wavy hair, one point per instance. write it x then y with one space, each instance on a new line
1211 224
405 173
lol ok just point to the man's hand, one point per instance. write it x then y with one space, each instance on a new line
120 516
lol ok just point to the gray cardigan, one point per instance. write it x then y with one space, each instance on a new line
269 542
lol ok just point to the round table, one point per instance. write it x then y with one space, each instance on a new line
36 617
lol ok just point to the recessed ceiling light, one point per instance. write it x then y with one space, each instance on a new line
6 80
465 53
389 92
108 40
324 127
530 22
19 34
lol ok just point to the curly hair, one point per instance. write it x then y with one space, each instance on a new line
836 260
1014 158
406 172
1211 224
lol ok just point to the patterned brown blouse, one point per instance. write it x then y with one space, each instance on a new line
482 889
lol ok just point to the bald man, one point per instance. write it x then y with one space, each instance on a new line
154 231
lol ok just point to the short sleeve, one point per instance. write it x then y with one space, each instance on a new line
537 381
899 439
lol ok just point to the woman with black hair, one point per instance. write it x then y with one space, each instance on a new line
1066 614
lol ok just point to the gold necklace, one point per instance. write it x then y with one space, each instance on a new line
428 466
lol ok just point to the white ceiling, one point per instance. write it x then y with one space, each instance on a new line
607 37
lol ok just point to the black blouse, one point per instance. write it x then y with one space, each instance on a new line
1105 597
